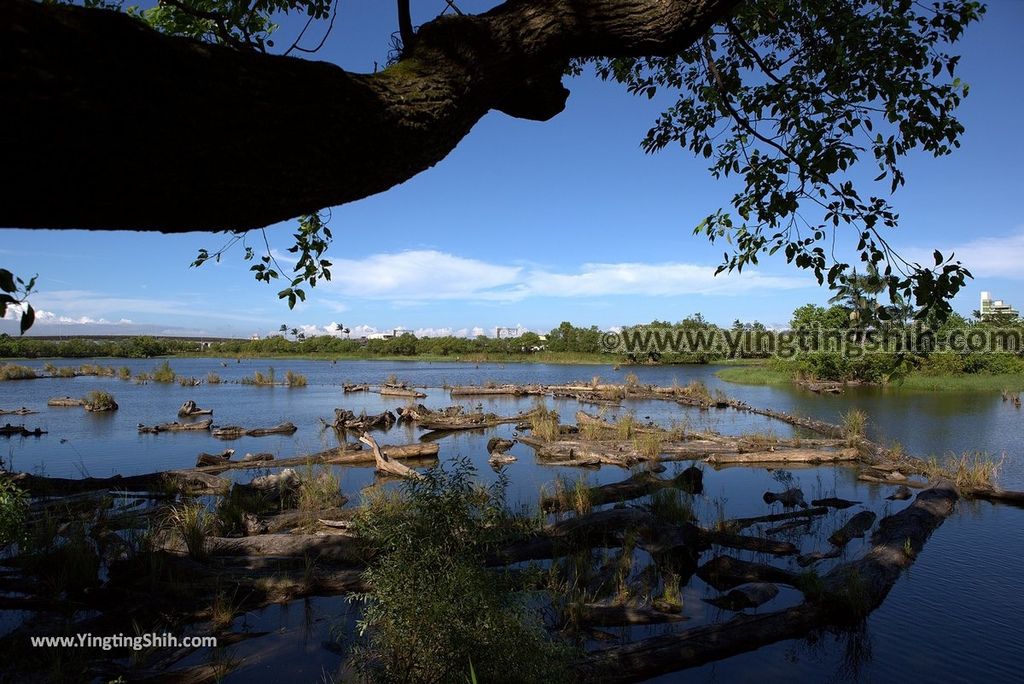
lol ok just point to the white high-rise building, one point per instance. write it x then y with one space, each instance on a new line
991 308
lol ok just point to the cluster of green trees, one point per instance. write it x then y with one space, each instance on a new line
79 347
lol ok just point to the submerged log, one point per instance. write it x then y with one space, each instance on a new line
151 482
198 426
746 596
65 402
384 463
902 493
189 408
791 498
256 458
855 528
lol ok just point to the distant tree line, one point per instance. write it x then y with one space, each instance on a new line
141 347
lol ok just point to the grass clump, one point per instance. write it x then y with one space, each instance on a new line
12 371
435 607
973 470
295 379
854 423
318 491
260 378
124 373
573 496
164 373
672 506
626 426
193 523
649 444
13 513
544 423
212 378
98 400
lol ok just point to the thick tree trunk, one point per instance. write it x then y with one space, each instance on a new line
110 125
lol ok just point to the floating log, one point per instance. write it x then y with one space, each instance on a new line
256 458
758 544
791 498
746 596
198 426
235 431
9 430
205 459
996 495
785 456
347 420
400 391
450 420
505 390
23 411
189 408
349 388
833 502
151 482
65 402
385 463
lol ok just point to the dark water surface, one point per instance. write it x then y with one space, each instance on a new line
954 617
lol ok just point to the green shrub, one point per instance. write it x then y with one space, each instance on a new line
13 511
164 373
435 607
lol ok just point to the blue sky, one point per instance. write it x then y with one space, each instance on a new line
531 223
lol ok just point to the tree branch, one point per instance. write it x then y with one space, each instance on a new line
110 125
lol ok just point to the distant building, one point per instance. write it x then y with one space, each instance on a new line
386 335
995 308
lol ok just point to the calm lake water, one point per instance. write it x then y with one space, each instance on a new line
953 617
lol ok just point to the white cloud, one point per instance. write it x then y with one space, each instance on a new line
425 275
984 257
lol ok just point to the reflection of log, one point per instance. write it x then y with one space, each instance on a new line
189 408
833 502
740 523
791 498
177 427
384 463
235 431
758 544
65 402
897 542
727 572
602 615
9 430
746 596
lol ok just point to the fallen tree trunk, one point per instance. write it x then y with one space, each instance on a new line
785 456
198 426
9 430
501 390
602 615
235 431
384 463
189 408
396 391
151 482
65 402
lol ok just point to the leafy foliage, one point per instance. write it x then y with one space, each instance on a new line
13 512
435 607
793 97
14 292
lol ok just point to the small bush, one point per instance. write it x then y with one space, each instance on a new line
854 423
13 511
98 400
164 373
11 371
436 607
294 379
124 373
212 378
